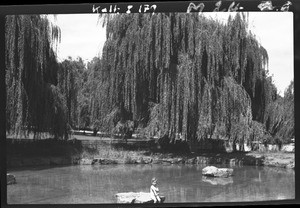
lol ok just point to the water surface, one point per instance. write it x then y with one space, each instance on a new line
179 183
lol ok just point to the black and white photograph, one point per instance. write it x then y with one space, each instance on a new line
151 107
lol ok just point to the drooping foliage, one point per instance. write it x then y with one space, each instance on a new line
93 68
70 81
172 75
185 74
34 103
280 118
77 83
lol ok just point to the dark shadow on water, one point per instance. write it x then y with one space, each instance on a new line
36 168
43 147
46 153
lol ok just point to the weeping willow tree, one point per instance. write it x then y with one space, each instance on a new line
34 103
93 78
178 73
71 76
280 118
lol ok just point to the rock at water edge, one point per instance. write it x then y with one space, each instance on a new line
213 171
288 148
85 161
135 197
11 179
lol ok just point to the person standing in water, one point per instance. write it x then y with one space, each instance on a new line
154 191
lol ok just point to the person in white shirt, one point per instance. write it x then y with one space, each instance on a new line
154 191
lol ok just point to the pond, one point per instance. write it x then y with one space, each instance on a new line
179 183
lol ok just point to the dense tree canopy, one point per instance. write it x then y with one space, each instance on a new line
71 74
279 118
168 74
185 74
33 99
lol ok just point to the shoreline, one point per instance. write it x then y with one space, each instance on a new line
275 159
80 152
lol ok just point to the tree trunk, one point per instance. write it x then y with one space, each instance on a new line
234 145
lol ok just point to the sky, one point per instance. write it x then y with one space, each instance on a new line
82 36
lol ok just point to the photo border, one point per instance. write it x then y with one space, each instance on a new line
162 6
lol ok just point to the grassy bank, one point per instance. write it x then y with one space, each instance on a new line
22 153
276 159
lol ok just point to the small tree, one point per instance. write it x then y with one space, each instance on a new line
125 129
96 127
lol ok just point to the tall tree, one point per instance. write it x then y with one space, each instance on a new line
33 99
70 84
185 74
280 118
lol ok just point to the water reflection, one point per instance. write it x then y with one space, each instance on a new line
217 181
179 183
